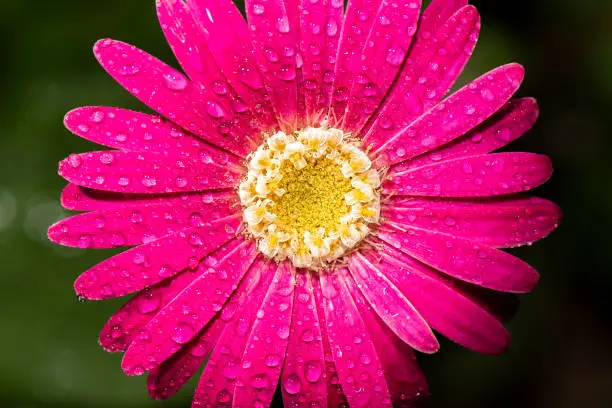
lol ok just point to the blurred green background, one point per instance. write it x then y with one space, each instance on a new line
561 353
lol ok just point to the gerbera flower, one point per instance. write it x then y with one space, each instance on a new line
306 208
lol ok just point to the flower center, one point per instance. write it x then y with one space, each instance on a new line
310 196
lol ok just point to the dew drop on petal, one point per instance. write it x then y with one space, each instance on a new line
175 81
292 384
272 360
182 333
307 336
148 303
283 332
313 371
282 25
129 69
214 110
260 381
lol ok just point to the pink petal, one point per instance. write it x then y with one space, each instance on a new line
464 259
147 173
137 225
458 114
441 305
217 383
382 57
85 199
134 131
436 16
303 381
434 63
171 94
335 395
405 379
267 345
359 368
222 24
391 305
188 41
507 125
190 311
437 12
474 176
174 372
148 264
167 379
276 41
121 329
78 198
359 18
321 25
498 223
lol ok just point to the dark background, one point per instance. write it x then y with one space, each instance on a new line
561 352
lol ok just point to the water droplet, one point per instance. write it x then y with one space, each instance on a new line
292 384
250 77
341 94
84 241
283 332
115 332
310 84
220 88
117 239
139 259
129 69
487 95
258 9
271 55
272 360
182 333
365 359
282 25
504 135
175 81
307 336
97 117
196 220
312 371
137 217
223 397
287 72
214 110
106 158
260 381
230 371
148 303
75 161
195 239
149 181
395 56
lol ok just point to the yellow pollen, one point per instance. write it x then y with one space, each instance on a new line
309 197
314 196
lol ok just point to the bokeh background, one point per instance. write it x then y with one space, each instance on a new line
561 355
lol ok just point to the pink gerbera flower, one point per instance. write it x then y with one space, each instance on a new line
307 207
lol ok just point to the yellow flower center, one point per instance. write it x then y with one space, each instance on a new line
314 196
310 196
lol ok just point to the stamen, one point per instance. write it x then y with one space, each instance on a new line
309 196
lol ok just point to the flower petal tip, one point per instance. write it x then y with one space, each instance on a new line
430 347
515 73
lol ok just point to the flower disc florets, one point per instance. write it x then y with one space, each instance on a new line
310 196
